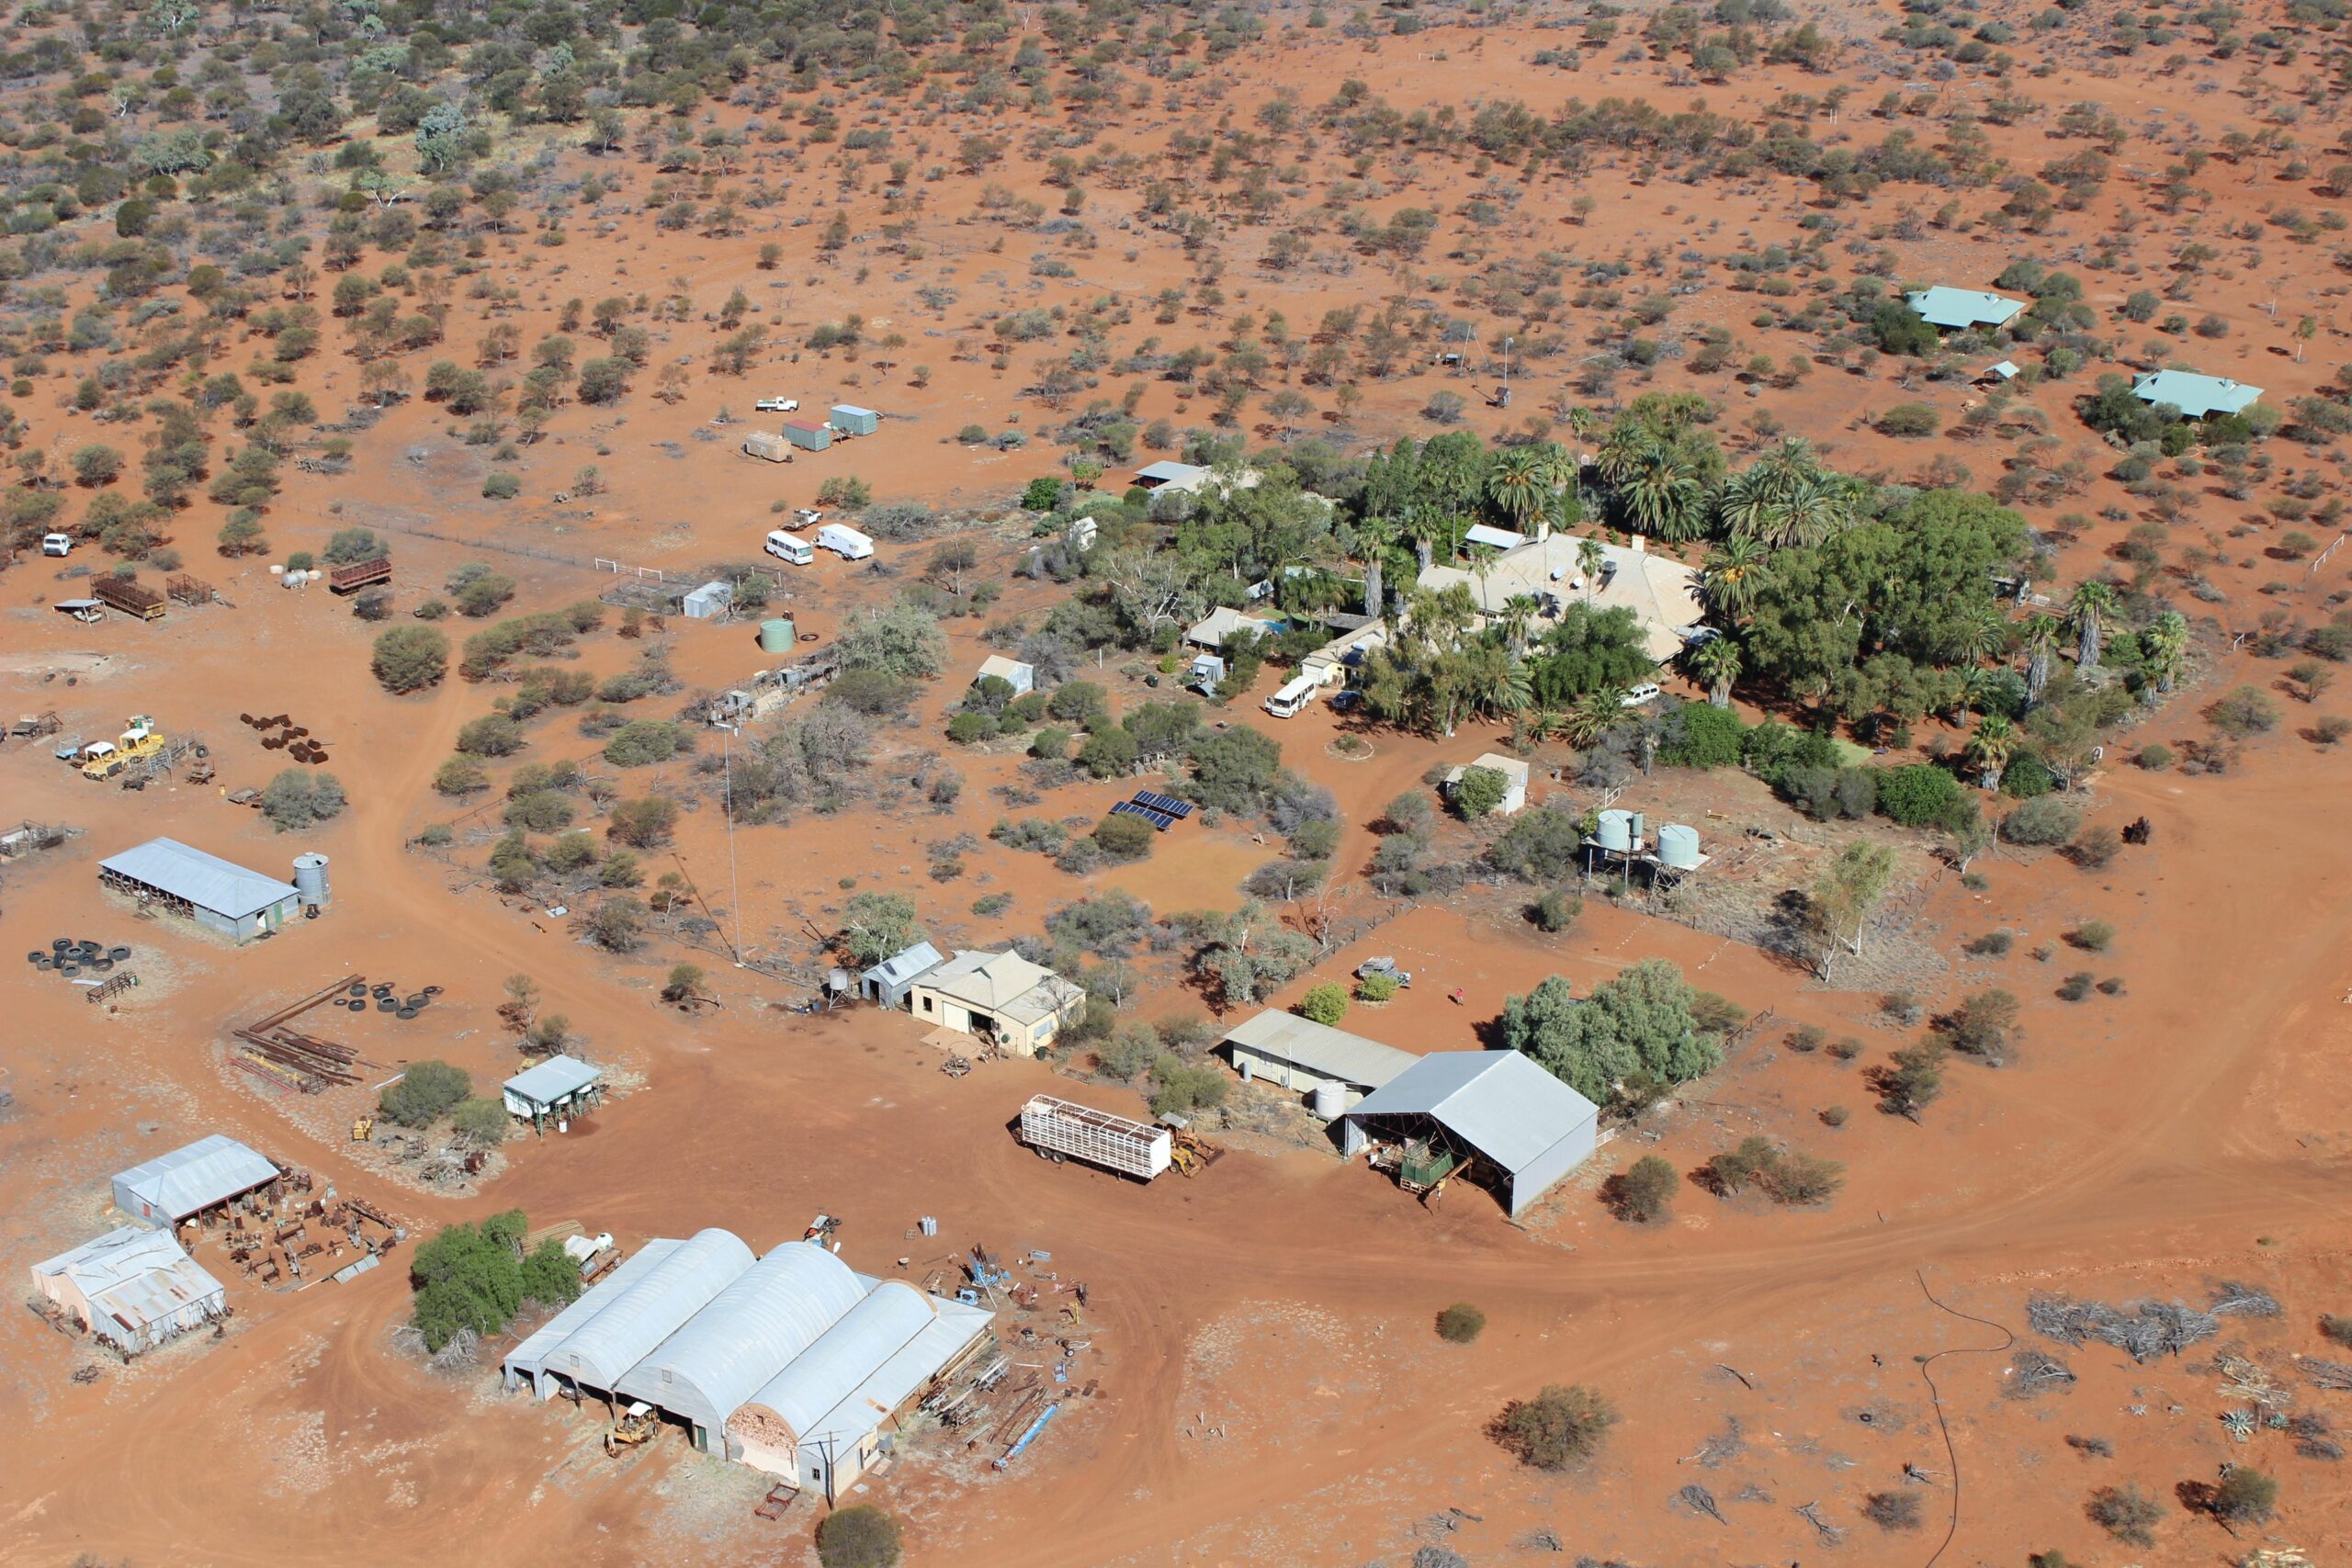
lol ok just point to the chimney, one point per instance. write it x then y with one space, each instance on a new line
1543 530
1640 544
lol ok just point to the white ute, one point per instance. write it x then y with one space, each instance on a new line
777 405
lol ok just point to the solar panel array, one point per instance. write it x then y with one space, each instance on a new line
1169 804
1158 819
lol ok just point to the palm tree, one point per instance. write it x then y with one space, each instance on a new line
1715 663
1786 497
1589 557
1517 618
1991 747
1970 688
1658 487
1729 578
1519 484
1591 716
2092 608
2042 645
2165 643
1980 633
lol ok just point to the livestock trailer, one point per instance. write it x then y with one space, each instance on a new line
359 574
130 598
1057 1129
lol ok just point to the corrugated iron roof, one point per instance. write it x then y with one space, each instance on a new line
2195 395
907 963
1335 1053
1499 1101
1944 307
552 1079
208 1171
134 1276
205 880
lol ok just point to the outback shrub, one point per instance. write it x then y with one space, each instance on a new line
1324 1004
1921 795
1557 1428
1460 1324
424 1093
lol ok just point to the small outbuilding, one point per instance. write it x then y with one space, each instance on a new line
1296 1053
2194 396
216 894
190 1181
1494 1116
999 997
1951 309
890 981
133 1288
710 602
1514 772
1022 678
1167 475
1226 627
809 435
768 444
555 1089
851 420
1494 538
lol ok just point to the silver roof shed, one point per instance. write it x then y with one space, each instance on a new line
1516 1116
207 881
169 1188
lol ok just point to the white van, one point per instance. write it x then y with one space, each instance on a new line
1294 696
56 545
844 541
786 547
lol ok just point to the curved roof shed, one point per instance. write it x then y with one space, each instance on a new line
625 1329
842 1358
746 1335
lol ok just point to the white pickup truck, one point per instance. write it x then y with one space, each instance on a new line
777 405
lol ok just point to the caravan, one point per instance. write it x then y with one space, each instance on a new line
844 541
786 547
1294 696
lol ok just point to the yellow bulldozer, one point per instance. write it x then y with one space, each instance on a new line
140 739
637 1426
1192 1154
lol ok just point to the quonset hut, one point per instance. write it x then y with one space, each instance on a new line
793 1363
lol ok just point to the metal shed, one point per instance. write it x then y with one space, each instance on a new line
1524 1127
216 894
1022 678
1297 1053
808 434
749 1333
710 602
1942 307
133 1288
561 1086
2194 396
203 1175
851 420
632 1323
890 981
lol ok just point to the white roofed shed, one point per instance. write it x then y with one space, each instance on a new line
188 1180
1297 1053
1524 1124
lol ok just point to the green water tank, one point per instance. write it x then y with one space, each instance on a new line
777 635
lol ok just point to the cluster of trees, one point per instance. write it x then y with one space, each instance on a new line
477 1277
1634 1039
431 1089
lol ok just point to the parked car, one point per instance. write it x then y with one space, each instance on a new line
777 405
1647 691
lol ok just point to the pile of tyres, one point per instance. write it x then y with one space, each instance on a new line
69 957
385 997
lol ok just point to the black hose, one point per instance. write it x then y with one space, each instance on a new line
1951 1454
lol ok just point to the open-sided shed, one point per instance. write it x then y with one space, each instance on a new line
202 1175
1514 1126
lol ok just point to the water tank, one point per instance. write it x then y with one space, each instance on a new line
1615 831
310 878
777 635
1639 827
1329 1102
1678 846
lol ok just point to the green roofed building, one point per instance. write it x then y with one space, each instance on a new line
2194 395
1941 307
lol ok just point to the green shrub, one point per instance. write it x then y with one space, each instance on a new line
2044 823
482 1123
1557 910
1478 791
2027 777
970 729
1556 1430
1909 419
1121 837
424 1093
1376 988
410 659
1460 1324
1325 1004
2092 936
1699 735
859 1537
1180 1088
1921 795
501 487
1645 1191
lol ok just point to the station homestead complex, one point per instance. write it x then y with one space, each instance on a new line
1109 786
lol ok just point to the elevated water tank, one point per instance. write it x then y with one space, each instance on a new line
777 635
1678 846
1615 831
311 879
1329 1102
